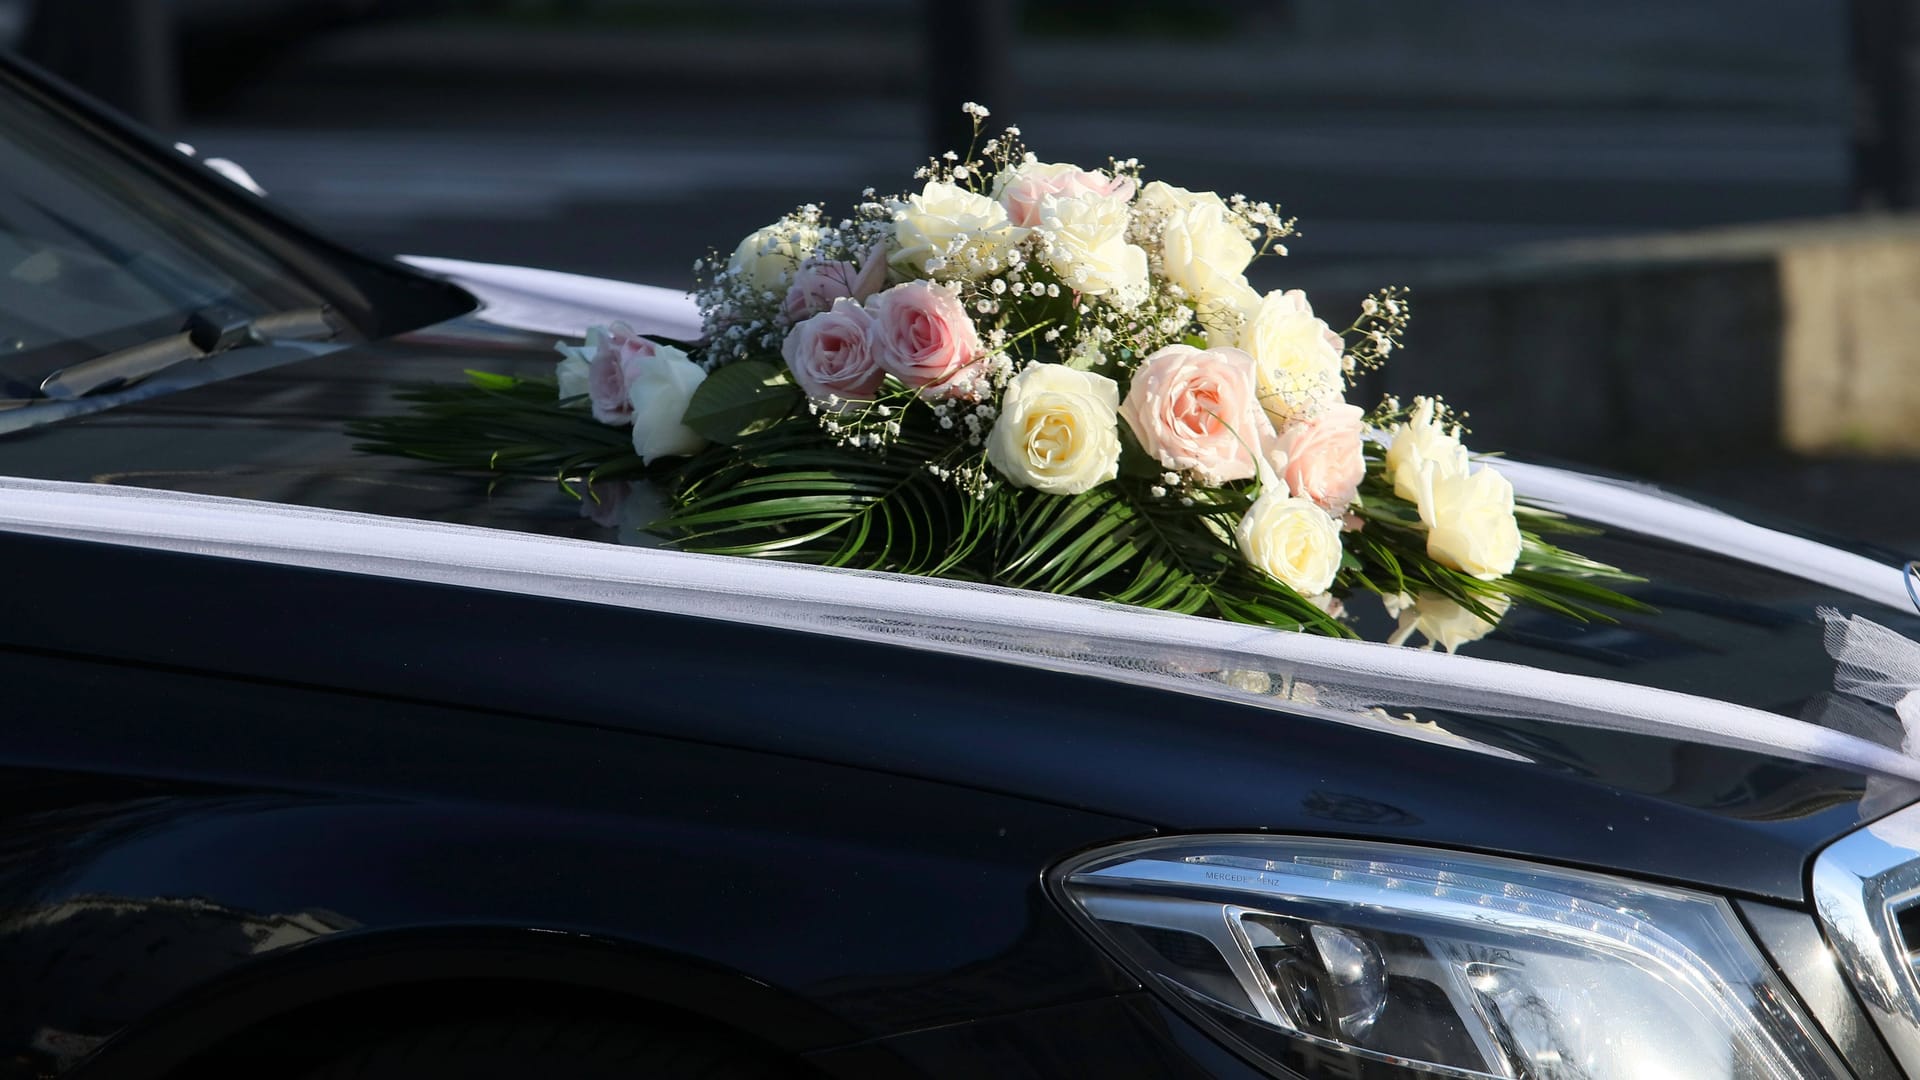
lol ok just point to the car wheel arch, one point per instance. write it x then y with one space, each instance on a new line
423 974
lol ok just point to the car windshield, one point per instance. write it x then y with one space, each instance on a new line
96 256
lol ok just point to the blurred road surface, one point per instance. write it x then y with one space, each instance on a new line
628 151
641 194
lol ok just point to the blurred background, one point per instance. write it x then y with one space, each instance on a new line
1664 236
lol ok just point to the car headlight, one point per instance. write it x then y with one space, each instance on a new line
1357 959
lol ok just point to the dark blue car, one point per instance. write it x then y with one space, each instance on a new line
314 763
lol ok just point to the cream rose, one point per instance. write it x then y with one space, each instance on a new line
1469 519
949 230
660 386
1203 248
1419 442
1323 459
1440 619
1058 430
1292 541
770 256
1195 409
832 356
1296 356
1087 246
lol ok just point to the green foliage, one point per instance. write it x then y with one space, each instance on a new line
784 490
1121 543
1392 550
784 493
500 424
741 399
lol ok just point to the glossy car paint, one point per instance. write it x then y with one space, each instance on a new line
174 828
338 758
235 794
495 731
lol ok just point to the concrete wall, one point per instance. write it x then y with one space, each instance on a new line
1663 353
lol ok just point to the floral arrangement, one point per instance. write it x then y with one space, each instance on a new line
1041 376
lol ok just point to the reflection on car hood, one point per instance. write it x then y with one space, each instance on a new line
278 434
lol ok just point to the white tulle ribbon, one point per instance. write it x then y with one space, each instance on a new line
1874 664
1349 682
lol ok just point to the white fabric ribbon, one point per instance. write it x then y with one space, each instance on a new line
1874 664
1160 650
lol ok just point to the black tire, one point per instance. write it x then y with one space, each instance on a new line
520 1048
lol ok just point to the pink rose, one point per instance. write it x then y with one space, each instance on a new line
1199 410
1023 189
1320 459
616 349
922 337
832 355
820 282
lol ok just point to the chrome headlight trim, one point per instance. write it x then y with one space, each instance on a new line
1862 884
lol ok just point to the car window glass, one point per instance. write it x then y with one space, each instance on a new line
95 255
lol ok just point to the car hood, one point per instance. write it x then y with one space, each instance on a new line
275 430
1738 620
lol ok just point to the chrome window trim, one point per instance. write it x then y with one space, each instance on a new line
1861 883
1363 684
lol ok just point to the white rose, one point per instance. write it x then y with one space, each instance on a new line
931 225
1440 620
770 256
1292 540
571 372
1420 442
1165 198
1203 249
1469 519
660 387
1089 246
1296 357
1058 430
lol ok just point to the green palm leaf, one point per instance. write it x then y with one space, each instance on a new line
1119 542
788 493
783 494
499 424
